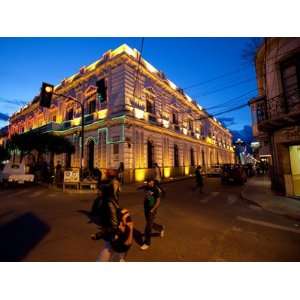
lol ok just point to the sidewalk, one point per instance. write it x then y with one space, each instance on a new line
258 191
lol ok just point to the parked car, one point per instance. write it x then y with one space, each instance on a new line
233 173
15 173
214 170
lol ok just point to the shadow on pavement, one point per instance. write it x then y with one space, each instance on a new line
138 237
20 235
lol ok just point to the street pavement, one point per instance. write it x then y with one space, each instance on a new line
41 224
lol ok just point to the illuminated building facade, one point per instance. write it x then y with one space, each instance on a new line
145 120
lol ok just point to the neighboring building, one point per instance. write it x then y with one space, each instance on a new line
3 136
276 111
141 122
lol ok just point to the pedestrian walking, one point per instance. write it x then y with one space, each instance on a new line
157 173
199 179
59 175
121 173
158 179
151 205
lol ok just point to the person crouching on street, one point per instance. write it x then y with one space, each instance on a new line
151 204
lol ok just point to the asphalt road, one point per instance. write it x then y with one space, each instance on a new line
40 224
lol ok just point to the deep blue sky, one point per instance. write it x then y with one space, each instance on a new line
26 62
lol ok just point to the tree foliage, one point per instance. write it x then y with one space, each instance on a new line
4 154
41 142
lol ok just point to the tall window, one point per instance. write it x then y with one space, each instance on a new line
290 73
176 156
92 106
149 107
69 114
175 118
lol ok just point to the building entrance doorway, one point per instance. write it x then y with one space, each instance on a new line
90 152
295 167
176 156
150 154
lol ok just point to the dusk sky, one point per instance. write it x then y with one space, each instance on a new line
26 62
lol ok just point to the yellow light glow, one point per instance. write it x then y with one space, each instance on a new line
150 67
197 135
186 171
92 66
123 48
48 89
208 140
76 121
172 85
185 131
166 123
167 172
102 114
138 113
59 119
139 175
189 98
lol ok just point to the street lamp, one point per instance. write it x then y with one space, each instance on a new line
47 91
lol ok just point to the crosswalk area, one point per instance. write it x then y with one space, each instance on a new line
213 197
27 192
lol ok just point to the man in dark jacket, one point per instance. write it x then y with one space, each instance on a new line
199 179
151 204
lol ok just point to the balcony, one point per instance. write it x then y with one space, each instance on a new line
52 126
277 112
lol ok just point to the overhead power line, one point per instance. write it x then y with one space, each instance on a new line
225 87
223 112
216 77
230 101
14 102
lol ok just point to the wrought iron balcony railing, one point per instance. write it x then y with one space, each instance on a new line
274 112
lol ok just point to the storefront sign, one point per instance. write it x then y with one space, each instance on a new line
71 176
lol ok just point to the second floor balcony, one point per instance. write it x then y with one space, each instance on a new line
277 112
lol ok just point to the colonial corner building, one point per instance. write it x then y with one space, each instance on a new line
145 119
276 111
